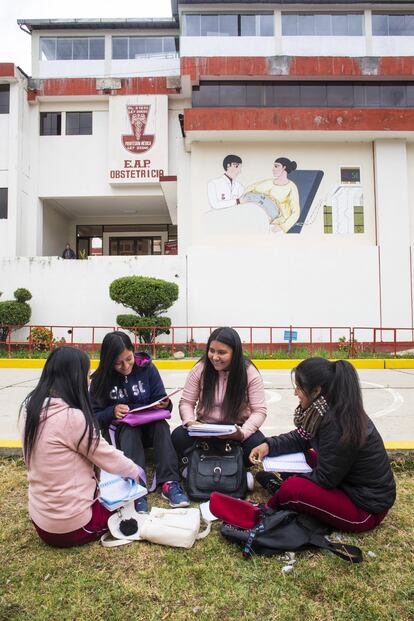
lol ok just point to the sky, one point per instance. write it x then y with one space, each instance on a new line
15 44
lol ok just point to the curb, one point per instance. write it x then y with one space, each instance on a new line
186 365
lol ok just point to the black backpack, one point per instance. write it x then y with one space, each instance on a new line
216 466
279 531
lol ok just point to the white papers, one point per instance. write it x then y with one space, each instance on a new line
115 491
151 405
293 462
210 429
206 513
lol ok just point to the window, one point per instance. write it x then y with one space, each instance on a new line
134 47
393 25
68 48
350 175
327 219
4 99
284 94
50 123
78 123
322 24
3 203
229 25
358 219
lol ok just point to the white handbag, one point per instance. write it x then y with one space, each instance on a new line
173 527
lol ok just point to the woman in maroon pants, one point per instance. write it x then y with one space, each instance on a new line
351 486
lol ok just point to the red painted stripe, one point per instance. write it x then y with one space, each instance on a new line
168 178
7 70
291 119
317 67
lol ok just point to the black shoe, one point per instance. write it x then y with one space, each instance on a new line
271 481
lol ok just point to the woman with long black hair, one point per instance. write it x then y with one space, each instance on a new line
61 445
351 486
223 387
125 380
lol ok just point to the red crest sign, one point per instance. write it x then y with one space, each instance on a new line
138 142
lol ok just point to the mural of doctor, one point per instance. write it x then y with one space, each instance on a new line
225 191
279 196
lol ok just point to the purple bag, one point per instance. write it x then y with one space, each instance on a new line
142 418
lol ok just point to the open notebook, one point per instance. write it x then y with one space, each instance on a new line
292 462
115 491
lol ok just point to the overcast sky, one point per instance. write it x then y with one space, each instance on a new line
15 44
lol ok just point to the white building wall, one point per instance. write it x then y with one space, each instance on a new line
56 232
4 169
228 46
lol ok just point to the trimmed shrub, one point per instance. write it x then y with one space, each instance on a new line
14 313
148 297
42 339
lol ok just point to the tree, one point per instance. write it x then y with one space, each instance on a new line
148 298
14 313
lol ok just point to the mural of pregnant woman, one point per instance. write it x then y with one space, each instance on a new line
286 197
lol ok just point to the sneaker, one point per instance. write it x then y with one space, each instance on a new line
174 493
250 482
271 481
141 504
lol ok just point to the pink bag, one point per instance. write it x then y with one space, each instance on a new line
142 418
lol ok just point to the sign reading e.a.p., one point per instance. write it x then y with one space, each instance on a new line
138 139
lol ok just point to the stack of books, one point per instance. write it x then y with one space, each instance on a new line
210 429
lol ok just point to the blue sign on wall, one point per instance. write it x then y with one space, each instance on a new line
290 335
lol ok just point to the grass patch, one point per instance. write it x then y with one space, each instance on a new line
210 582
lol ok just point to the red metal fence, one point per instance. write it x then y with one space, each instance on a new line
257 340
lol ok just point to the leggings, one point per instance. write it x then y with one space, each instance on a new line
92 531
331 506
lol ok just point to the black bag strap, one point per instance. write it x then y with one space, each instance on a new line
345 551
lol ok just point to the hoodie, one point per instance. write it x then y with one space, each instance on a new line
141 387
62 483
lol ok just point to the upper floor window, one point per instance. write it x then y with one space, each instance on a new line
4 99
134 47
78 123
229 25
322 24
50 123
393 25
68 48
3 203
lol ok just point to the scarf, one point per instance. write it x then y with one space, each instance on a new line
308 421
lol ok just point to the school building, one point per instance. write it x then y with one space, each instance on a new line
116 141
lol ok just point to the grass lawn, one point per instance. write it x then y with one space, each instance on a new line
210 582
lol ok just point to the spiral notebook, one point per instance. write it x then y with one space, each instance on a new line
116 491
292 462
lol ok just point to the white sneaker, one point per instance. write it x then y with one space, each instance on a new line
250 482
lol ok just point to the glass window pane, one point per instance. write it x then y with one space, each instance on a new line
233 95
289 24
355 25
287 94
379 24
80 49
409 25
64 49
323 24
266 25
138 46
392 95
409 89
340 95
4 99
339 25
306 25
50 123
254 95
154 45
396 25
209 26
47 49
372 95
209 95
313 95
119 47
3 203
169 44
247 25
228 25
85 123
192 25
269 95
96 48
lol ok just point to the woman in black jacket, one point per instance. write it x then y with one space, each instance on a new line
351 486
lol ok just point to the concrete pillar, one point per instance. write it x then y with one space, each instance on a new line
393 232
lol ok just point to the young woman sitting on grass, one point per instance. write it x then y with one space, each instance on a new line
351 486
124 381
223 387
62 445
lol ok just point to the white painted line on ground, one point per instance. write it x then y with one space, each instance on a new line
397 400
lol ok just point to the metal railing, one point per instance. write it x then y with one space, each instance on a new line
267 341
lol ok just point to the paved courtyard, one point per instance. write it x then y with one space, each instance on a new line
388 398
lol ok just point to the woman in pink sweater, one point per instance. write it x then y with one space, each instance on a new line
62 445
223 387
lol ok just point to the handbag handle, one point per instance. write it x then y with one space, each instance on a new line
108 541
203 534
